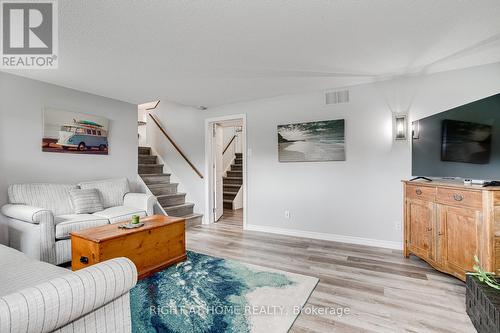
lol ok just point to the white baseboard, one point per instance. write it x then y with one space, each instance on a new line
329 237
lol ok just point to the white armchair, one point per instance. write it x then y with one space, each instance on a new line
41 216
45 298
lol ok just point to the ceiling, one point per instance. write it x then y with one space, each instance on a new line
216 52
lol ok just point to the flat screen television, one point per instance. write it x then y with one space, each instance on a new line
463 142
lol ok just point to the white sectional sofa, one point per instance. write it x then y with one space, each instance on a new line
41 216
39 297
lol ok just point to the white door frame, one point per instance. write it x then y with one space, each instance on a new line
217 151
209 181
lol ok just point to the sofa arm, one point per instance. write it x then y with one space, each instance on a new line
142 201
27 213
60 301
42 221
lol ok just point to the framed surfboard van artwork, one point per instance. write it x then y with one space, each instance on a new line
74 133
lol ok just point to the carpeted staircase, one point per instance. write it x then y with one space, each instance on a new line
233 181
173 202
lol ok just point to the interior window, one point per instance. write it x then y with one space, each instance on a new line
98 132
93 132
89 131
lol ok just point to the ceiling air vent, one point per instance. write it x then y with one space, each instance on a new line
337 97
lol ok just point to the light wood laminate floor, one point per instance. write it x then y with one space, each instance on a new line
384 291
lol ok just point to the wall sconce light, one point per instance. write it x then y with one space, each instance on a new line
400 127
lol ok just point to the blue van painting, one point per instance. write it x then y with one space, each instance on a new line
70 132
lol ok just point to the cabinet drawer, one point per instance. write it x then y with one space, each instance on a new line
421 192
459 197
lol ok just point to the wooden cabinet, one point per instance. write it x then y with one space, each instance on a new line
446 224
459 238
158 244
421 215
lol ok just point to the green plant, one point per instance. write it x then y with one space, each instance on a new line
484 276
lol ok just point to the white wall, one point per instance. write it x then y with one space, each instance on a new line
185 126
361 197
141 129
228 133
21 157
235 147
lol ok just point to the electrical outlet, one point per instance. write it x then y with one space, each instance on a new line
397 225
287 214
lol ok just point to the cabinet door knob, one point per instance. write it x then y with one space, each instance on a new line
458 197
84 260
429 229
418 191
440 233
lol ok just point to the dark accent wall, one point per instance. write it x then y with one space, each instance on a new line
426 150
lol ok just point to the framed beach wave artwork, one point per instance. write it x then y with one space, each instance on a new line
74 133
317 141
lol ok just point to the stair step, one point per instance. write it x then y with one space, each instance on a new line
150 165
238 155
232 180
147 159
229 195
156 178
227 205
192 220
169 200
231 187
180 210
235 173
163 188
144 150
230 192
237 167
150 168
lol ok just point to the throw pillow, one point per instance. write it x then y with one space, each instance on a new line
86 201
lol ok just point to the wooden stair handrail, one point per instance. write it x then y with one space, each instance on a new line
175 146
154 107
227 146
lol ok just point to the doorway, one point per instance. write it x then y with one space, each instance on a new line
226 170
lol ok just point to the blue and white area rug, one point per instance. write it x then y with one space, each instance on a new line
208 294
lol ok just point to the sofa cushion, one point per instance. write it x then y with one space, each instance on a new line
65 224
86 200
18 271
54 197
112 191
120 213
